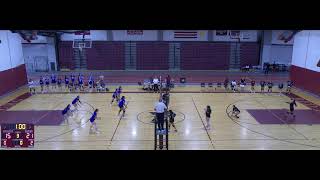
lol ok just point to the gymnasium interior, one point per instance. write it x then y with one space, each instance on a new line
195 67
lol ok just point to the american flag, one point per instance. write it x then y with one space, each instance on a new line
186 34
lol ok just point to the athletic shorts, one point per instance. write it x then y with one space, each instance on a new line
160 116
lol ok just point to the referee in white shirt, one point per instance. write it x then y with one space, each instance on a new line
160 107
155 84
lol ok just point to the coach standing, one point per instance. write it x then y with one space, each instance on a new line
160 107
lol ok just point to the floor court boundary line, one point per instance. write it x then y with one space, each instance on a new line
171 92
58 104
115 131
228 114
44 140
203 123
288 125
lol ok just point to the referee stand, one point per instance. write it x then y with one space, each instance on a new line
161 140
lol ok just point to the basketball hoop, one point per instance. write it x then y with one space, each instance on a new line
80 44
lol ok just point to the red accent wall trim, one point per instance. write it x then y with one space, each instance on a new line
12 79
305 79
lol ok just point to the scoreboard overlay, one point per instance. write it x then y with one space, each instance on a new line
17 135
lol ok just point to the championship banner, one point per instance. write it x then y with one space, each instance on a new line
82 33
234 34
221 32
245 35
186 34
134 32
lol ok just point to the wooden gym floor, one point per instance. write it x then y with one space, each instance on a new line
136 132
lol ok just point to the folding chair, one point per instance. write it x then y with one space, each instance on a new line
202 85
219 85
210 86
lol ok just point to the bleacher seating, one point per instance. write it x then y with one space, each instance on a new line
205 56
105 56
249 54
66 55
152 55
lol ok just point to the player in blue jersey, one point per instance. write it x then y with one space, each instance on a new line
80 82
92 120
47 82
90 82
72 77
114 96
122 106
119 91
67 83
53 81
76 102
72 84
66 112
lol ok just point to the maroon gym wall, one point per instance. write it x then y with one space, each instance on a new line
249 54
152 55
66 55
305 79
205 56
104 55
12 79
